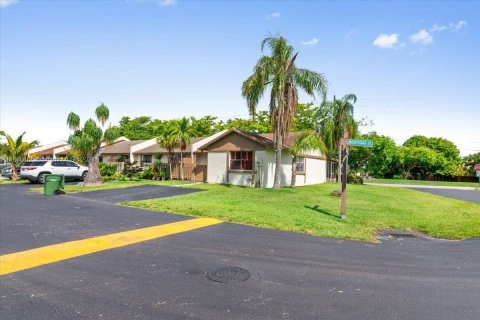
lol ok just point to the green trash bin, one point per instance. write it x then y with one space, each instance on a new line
54 183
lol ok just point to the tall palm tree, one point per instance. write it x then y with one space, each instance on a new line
16 151
90 139
279 72
306 141
337 117
167 141
181 133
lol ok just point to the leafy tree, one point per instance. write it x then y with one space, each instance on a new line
203 127
306 141
89 140
181 134
279 72
379 161
306 117
410 158
16 151
134 129
448 156
470 161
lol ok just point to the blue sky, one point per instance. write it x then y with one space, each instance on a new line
413 65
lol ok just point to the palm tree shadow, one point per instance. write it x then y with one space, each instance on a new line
325 212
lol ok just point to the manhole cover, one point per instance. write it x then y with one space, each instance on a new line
228 274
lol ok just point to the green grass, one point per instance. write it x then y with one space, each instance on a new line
424 183
312 210
8 181
69 188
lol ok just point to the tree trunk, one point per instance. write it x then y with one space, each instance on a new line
294 172
170 166
93 177
181 166
278 158
14 172
339 157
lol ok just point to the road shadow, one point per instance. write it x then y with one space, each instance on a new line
316 208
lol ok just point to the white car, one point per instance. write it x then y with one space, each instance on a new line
35 171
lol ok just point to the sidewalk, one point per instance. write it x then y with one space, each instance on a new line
418 186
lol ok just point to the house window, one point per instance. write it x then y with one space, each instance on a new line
146 158
300 165
241 160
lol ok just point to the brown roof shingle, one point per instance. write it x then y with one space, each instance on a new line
121 147
154 149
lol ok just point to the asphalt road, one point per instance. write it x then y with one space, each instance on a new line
293 276
465 195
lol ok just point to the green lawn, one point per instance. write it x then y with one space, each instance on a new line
8 181
313 210
72 188
425 183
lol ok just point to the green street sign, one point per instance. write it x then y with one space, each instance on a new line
359 143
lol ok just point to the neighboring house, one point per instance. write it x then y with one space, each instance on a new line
46 151
240 158
118 151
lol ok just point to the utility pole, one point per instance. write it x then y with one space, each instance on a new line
344 162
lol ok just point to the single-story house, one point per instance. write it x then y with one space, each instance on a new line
46 151
240 158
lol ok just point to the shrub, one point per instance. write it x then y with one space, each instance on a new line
146 174
107 170
354 179
131 171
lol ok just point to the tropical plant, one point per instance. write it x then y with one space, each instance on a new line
90 139
167 141
279 72
337 118
181 134
16 151
306 141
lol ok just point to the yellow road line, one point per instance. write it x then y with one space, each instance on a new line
18 261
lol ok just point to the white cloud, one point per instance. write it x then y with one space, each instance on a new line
310 42
167 2
6 3
459 25
422 37
274 15
386 41
437 28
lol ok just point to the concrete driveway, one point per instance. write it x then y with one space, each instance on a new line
292 276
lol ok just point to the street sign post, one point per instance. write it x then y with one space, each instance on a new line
477 167
344 144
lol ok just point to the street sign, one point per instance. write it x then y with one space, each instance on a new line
359 143
478 174
477 167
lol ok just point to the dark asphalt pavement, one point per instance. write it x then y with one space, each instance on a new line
132 193
294 276
465 195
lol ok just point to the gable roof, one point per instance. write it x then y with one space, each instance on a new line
121 147
155 148
265 139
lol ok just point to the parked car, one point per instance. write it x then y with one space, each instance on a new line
7 172
35 171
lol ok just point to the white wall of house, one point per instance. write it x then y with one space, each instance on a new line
140 146
217 167
240 178
315 169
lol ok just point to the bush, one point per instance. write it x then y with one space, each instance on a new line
146 174
107 170
131 171
354 179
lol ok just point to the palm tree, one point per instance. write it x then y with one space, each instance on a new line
90 139
306 141
279 72
167 141
16 151
181 134
337 117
